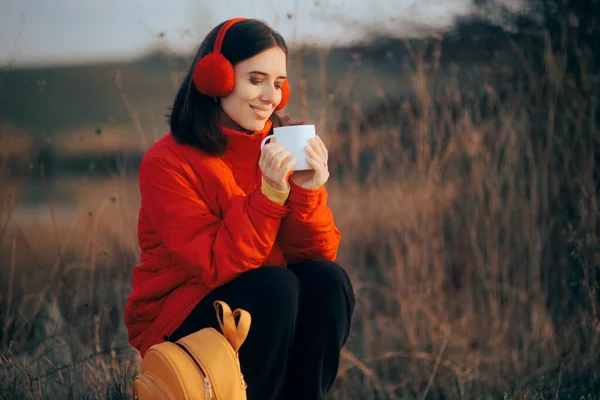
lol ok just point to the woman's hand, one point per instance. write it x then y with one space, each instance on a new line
276 163
317 157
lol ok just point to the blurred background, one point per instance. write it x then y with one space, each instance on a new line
464 142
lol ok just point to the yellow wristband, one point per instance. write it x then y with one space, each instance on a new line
276 196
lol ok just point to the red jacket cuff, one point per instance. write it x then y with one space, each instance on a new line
305 197
260 202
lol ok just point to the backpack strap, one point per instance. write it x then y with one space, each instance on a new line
225 318
235 334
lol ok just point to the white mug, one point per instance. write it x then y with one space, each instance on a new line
294 138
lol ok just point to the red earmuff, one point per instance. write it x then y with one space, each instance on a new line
214 75
285 95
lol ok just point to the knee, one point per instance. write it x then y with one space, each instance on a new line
275 291
326 278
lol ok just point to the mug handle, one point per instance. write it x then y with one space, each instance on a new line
264 141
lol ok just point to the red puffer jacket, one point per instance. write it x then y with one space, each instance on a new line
204 221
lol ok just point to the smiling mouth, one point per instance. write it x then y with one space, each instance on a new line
261 111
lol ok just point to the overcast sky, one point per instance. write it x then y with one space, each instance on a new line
65 31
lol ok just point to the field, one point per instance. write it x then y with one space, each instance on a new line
467 195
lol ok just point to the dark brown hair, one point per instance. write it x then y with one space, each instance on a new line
194 117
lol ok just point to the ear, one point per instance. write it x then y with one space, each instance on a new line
285 95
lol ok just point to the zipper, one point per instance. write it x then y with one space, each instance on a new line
208 393
242 381
208 390
238 365
258 176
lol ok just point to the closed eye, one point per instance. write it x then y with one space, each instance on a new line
257 81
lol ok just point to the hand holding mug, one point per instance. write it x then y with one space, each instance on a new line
275 164
309 151
317 157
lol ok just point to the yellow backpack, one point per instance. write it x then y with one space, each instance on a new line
203 365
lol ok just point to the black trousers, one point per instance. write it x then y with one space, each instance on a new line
301 318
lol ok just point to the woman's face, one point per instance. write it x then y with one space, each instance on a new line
257 90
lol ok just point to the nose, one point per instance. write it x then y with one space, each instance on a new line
270 94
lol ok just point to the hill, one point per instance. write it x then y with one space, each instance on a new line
51 99
54 98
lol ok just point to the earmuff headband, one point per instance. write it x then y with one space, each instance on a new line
221 34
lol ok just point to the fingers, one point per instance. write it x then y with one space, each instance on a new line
276 163
316 165
321 174
269 152
320 148
279 159
280 172
288 165
316 156
320 167
271 149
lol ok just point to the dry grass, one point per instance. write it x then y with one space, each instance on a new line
471 239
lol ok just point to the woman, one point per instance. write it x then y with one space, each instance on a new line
222 220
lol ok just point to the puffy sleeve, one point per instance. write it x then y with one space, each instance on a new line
214 248
309 231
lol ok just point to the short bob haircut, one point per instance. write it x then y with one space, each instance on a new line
194 117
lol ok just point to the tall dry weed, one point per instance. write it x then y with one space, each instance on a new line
475 245
469 213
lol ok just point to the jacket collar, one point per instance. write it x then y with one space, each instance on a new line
244 144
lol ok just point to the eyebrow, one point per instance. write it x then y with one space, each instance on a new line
265 74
